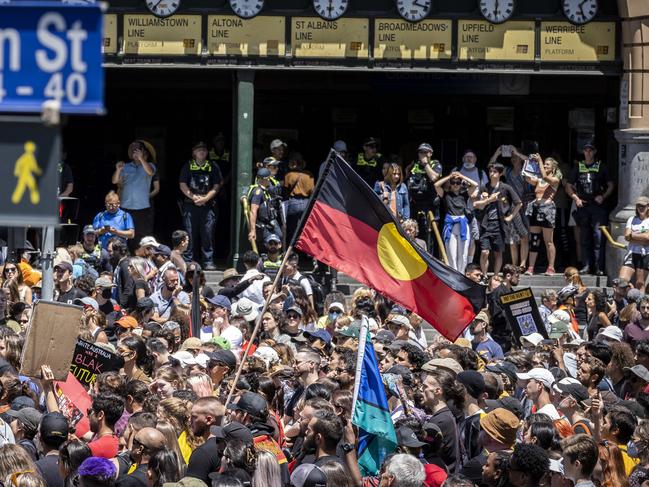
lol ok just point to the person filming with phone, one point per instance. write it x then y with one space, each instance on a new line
113 222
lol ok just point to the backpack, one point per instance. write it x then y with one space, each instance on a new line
318 292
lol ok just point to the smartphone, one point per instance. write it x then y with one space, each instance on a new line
506 150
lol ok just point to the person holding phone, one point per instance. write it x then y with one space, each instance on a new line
113 222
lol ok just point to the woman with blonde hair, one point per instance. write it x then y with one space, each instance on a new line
542 212
171 441
138 268
267 472
572 277
201 384
166 381
394 192
176 412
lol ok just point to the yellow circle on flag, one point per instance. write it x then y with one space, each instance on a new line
397 256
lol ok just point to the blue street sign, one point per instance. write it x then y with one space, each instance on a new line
51 51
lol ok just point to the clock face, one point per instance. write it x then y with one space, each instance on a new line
163 8
330 9
246 8
414 10
497 11
580 11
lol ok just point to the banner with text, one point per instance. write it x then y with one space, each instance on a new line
109 42
563 41
90 360
522 313
177 35
229 35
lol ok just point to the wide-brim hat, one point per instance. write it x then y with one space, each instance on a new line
229 274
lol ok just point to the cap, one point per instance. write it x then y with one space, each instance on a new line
540 375
612 332
320 334
352 331
424 147
501 424
54 425
577 391
449 364
384 336
308 475
482 316
104 282
127 322
642 200
162 250
87 301
620 281
407 437
30 417
399 320
340 146
149 242
192 343
22 402
263 172
402 371
145 304
88 229
533 338
224 356
185 358
337 305
590 145
638 370
505 368
186 482
252 403
559 322
222 343
371 141
272 238
296 309
199 145
229 274
246 309
510 403
232 431
64 265
220 301
270 161
267 354
277 143
473 381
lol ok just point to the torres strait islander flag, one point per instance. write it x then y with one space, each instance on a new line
350 229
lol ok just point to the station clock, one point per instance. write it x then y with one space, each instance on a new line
497 11
414 10
580 11
246 8
330 9
162 8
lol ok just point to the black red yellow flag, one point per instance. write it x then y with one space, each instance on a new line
350 229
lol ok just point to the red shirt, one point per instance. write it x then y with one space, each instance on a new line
105 447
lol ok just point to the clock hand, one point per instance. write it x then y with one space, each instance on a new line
581 7
157 3
417 4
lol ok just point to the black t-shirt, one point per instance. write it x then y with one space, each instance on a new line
497 210
473 469
589 181
204 460
450 450
201 179
137 284
456 204
65 176
137 478
498 320
48 466
71 295
330 458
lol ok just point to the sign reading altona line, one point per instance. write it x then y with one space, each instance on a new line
51 51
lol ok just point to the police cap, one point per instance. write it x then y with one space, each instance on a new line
199 145
263 173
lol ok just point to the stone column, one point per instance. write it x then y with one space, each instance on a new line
242 138
633 134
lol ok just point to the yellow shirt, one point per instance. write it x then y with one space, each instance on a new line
185 449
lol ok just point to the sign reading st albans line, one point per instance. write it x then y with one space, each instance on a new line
89 361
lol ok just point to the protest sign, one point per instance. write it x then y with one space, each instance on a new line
50 339
74 401
522 313
89 360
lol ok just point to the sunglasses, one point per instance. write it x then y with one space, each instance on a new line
293 316
456 183
11 269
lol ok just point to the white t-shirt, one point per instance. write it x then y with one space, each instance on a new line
638 226
254 292
233 335
551 411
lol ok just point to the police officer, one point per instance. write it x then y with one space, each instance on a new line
265 208
421 175
272 259
589 185
369 163
200 181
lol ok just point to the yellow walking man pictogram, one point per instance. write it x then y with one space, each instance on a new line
26 168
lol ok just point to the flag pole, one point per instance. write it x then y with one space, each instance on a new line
362 339
280 271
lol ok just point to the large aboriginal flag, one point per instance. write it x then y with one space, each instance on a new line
350 229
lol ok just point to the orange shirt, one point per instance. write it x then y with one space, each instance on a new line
300 184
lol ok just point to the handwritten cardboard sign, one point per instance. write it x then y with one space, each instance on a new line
89 360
